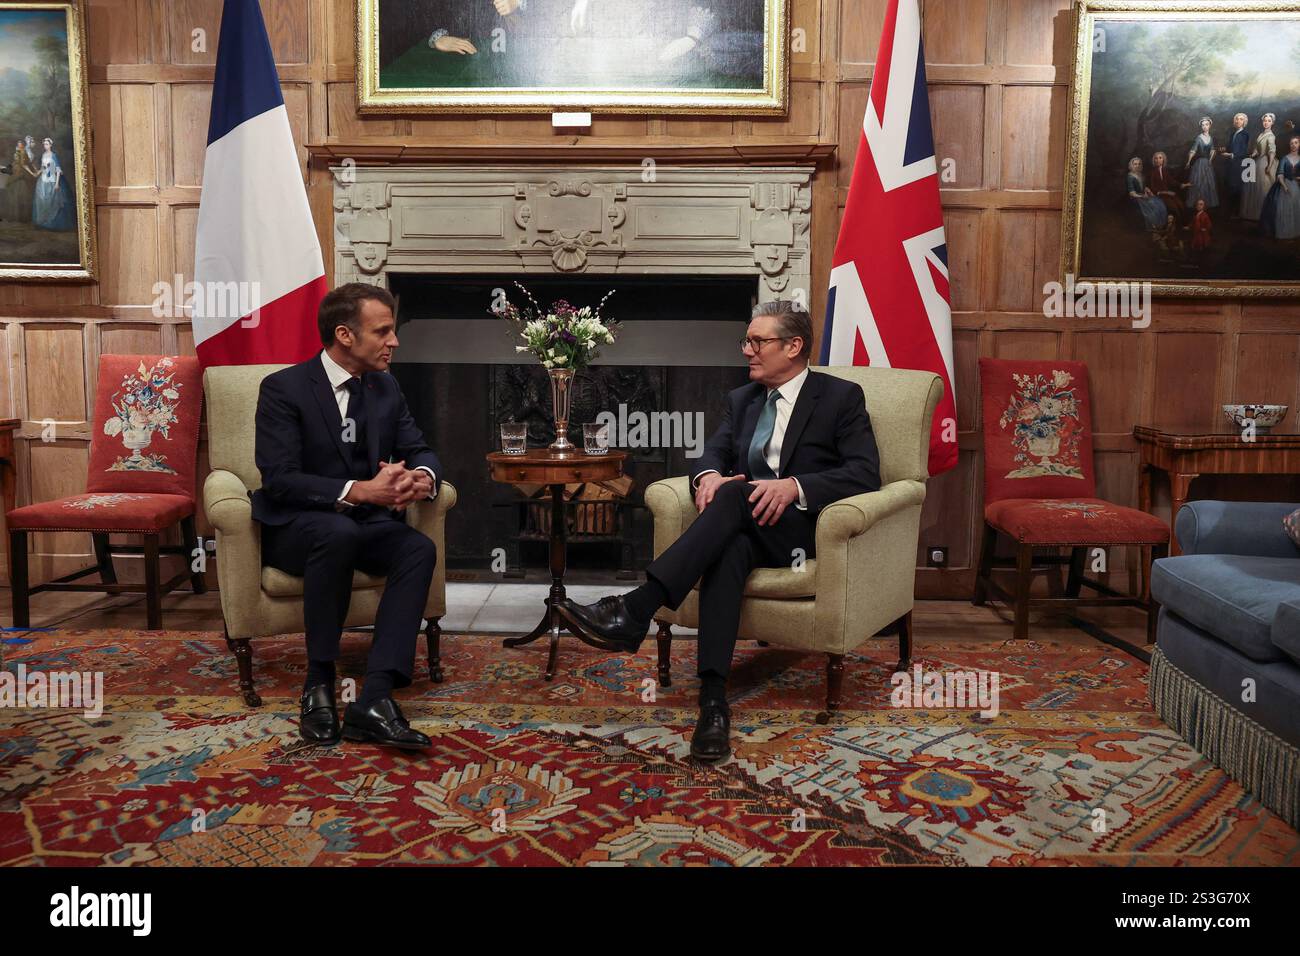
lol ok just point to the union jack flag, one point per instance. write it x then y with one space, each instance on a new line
888 303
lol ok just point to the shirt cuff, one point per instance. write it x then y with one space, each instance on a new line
341 504
434 493
695 485
803 501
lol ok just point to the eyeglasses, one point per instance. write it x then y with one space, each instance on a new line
754 343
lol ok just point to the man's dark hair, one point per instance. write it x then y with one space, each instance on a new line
792 319
343 307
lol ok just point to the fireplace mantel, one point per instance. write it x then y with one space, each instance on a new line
643 218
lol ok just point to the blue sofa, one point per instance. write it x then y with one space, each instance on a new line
1225 673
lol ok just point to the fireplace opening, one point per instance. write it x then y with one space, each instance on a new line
678 353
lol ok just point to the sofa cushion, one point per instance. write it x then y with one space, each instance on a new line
1286 629
279 583
781 583
1232 596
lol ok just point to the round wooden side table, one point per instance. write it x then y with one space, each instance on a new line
545 467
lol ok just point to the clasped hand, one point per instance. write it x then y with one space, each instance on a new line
770 496
395 486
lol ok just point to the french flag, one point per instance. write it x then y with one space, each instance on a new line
258 272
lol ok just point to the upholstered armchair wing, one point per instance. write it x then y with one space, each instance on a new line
258 601
862 580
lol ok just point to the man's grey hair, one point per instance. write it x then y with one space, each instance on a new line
792 319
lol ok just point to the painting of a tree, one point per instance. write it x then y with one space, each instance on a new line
1147 74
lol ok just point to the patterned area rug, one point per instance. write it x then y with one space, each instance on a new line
1075 769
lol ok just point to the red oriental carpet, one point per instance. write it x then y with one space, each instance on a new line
1075 769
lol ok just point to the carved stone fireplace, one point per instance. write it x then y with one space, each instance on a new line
687 249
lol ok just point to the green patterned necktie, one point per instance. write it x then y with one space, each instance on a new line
758 467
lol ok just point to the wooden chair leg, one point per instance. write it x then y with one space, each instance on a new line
152 584
664 641
243 652
987 550
1024 575
190 539
834 686
104 557
1074 583
433 642
904 642
18 578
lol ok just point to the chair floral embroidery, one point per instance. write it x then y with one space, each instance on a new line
144 403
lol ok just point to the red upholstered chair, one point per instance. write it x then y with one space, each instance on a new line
1040 489
143 457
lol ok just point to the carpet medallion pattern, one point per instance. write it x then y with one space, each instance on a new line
593 768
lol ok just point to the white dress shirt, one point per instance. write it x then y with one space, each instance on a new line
338 378
789 393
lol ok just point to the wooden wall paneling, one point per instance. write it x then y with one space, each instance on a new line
1040 32
1268 369
57 469
962 229
114 32
1116 379
861 22
955 33
136 338
957 117
1186 370
56 365
128 253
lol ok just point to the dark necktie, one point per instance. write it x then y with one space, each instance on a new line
356 417
758 467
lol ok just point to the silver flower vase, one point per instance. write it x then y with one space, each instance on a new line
561 394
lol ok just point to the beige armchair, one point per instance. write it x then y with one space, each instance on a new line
258 601
861 582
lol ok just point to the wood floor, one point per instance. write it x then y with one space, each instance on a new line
932 620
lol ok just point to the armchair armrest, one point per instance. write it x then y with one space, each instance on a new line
672 503
427 515
850 517
225 499
866 563
1235 527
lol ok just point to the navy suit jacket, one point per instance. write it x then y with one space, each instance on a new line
828 445
299 443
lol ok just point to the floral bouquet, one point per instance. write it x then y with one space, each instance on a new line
1045 420
145 402
563 336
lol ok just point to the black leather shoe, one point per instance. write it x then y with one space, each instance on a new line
382 723
318 720
712 738
609 620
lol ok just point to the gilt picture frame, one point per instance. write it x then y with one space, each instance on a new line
47 208
606 56
1181 120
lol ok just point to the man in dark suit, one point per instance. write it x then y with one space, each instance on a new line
792 441
341 458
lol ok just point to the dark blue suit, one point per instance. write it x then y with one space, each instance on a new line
307 455
828 446
1239 148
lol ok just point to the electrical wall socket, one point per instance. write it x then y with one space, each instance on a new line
936 556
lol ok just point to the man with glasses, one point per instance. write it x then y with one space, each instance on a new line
791 442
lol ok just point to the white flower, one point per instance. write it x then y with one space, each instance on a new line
548 364
609 339
561 360
113 427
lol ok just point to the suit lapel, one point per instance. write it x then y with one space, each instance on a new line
329 409
803 409
748 422
368 402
